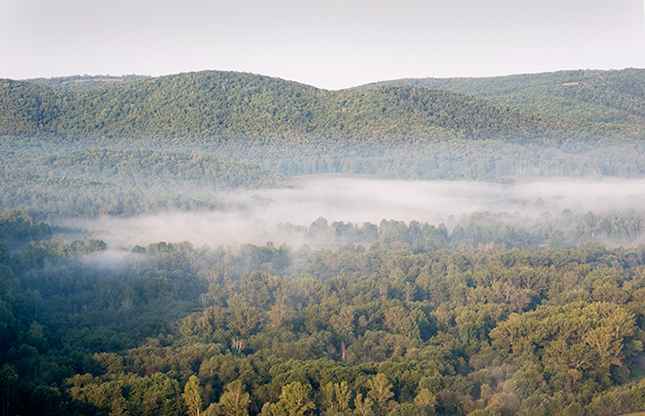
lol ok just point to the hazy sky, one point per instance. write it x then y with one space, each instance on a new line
331 44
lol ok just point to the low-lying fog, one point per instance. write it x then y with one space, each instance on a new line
360 199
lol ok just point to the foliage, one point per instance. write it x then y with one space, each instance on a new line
193 396
395 328
490 314
580 95
95 182
85 82
233 106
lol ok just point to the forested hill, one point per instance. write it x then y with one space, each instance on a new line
94 182
85 82
580 95
212 104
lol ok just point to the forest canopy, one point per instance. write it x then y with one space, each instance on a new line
514 309
216 105
394 328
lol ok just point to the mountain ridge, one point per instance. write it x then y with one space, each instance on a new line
242 106
610 96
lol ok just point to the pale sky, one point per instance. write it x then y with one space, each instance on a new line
331 44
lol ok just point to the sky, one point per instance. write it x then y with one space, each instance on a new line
330 44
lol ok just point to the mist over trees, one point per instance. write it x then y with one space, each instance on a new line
396 327
570 123
486 313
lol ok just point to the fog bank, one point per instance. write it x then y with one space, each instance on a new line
361 199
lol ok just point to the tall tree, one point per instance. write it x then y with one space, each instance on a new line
294 401
381 394
193 396
235 401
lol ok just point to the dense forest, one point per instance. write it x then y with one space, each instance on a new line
489 313
212 105
409 131
403 325
582 95
27 160
56 179
490 160
94 182
85 82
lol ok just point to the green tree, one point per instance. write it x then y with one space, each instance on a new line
364 407
193 395
8 390
235 401
337 396
381 394
426 399
294 401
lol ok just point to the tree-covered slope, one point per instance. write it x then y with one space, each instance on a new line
85 82
28 109
95 182
581 95
234 105
149 168
406 326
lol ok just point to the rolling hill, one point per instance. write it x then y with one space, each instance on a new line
241 106
591 96
85 82
568 123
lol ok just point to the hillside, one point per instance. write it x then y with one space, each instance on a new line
581 96
94 182
147 168
390 131
214 104
131 282
85 82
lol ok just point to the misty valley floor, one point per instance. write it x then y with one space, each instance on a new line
259 216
